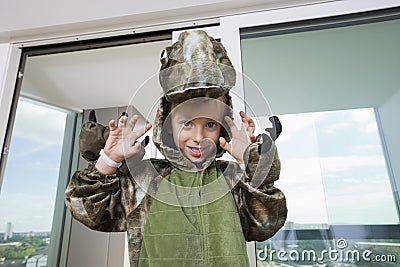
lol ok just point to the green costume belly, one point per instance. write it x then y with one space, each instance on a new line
204 230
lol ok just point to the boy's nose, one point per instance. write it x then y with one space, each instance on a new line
198 134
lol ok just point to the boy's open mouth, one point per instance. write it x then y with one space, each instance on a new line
196 151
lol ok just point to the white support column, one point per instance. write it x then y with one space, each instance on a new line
230 36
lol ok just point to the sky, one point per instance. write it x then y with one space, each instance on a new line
29 186
333 169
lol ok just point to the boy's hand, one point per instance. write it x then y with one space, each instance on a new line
121 142
241 138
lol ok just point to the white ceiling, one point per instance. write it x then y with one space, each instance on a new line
42 19
96 78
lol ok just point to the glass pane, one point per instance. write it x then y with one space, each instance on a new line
29 186
337 157
353 169
298 150
333 173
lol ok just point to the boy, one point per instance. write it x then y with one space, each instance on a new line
188 209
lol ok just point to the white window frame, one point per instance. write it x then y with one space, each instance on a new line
8 79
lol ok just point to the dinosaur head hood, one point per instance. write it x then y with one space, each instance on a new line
194 67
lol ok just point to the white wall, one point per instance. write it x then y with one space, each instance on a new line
389 115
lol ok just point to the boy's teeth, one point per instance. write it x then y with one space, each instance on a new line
196 150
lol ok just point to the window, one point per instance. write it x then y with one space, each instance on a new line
333 84
334 170
29 189
333 173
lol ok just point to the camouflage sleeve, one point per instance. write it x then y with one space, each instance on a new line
262 207
101 202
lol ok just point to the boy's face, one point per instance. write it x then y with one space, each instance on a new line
196 128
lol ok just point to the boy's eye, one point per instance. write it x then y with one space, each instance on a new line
211 124
186 124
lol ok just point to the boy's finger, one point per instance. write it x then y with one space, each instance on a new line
121 122
136 147
251 122
133 122
141 131
136 135
245 117
247 121
145 129
250 129
225 145
112 125
252 138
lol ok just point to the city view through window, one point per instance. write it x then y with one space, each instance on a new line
29 185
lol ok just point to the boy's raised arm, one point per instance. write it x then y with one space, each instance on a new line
95 198
262 207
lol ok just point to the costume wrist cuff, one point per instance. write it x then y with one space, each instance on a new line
109 162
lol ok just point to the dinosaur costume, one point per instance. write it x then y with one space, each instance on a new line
175 214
